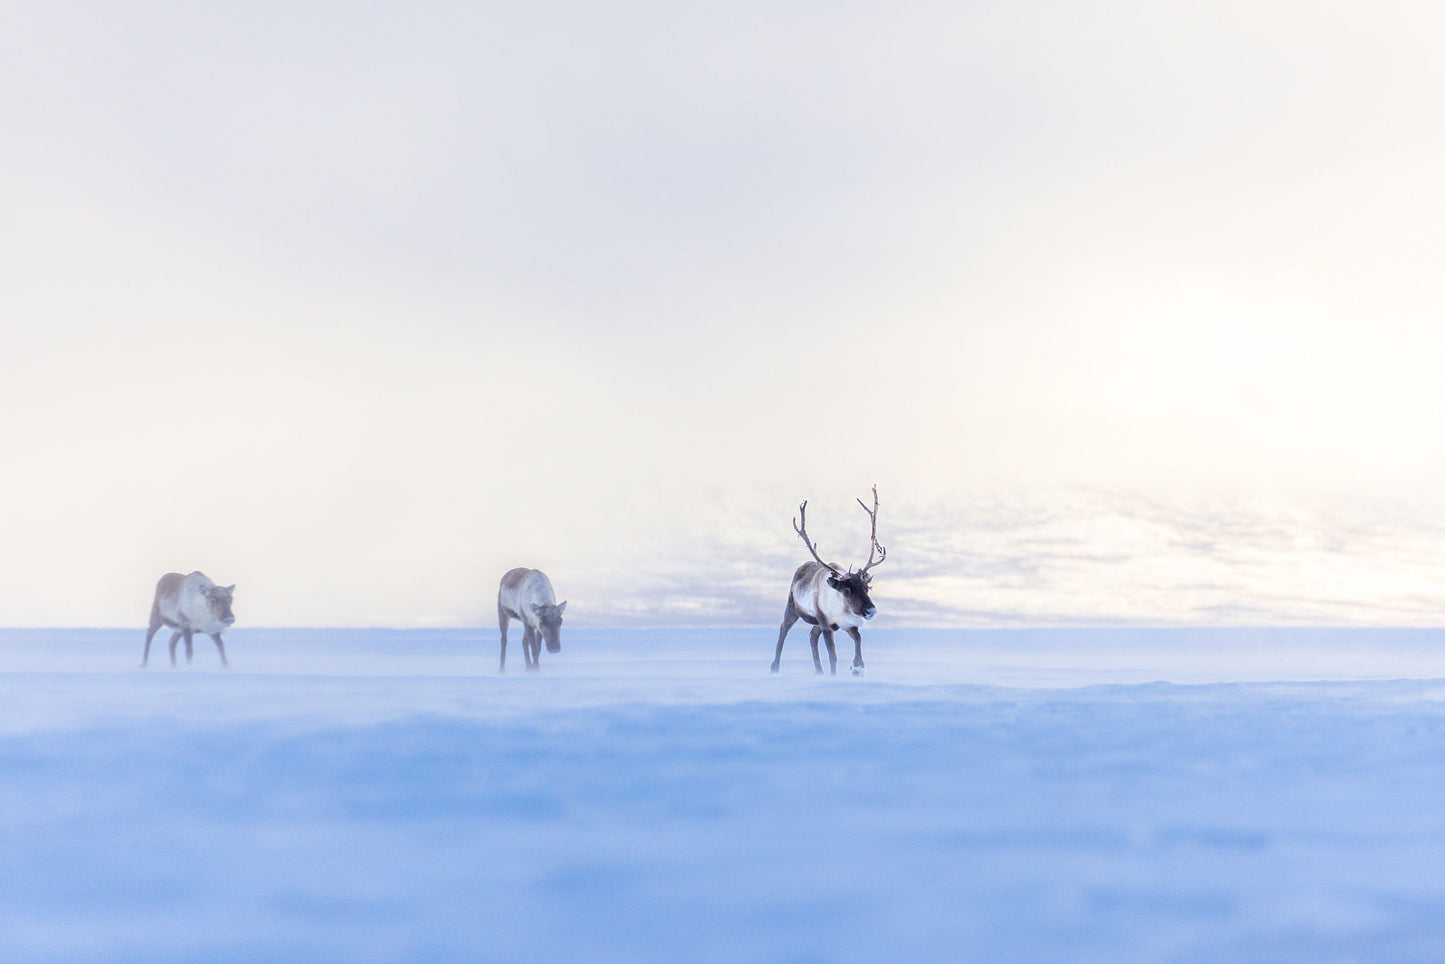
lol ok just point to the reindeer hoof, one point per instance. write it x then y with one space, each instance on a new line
857 671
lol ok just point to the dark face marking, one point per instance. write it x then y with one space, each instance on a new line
549 621
853 587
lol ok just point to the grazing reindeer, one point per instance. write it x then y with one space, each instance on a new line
190 604
526 594
828 599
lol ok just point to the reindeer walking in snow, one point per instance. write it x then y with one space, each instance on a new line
526 594
189 605
828 599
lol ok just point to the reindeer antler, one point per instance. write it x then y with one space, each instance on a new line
873 516
802 531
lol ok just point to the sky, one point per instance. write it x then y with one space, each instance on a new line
1132 312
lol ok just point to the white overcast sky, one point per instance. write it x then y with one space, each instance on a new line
358 305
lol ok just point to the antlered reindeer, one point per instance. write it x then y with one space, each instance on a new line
828 599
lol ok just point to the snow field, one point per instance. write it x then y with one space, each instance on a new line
374 795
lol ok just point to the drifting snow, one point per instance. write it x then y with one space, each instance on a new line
655 795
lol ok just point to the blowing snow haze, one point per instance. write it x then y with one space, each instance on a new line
1131 314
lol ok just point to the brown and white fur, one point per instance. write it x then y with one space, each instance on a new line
829 599
526 594
190 604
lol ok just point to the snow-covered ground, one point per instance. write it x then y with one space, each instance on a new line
654 795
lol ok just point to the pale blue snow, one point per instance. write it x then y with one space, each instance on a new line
653 795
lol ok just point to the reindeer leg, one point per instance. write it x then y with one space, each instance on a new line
150 634
220 648
502 622
832 653
790 616
175 638
189 650
813 642
529 645
857 650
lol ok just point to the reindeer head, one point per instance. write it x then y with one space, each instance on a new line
218 600
549 621
853 586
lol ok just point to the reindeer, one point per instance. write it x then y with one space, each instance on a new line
828 599
189 605
526 594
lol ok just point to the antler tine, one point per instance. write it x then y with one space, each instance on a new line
873 517
802 531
